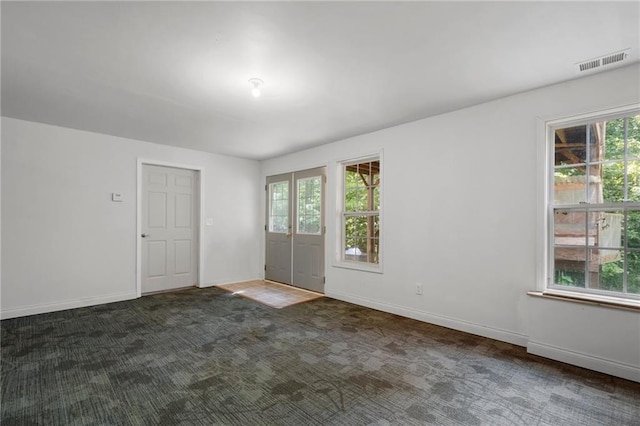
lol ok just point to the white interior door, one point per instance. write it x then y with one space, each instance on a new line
295 229
169 228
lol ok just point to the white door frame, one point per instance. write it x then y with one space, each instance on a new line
200 211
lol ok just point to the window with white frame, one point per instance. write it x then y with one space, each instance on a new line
594 205
360 220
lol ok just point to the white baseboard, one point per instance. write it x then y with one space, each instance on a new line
90 301
613 368
456 324
66 304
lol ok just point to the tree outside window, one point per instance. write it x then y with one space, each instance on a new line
595 206
361 213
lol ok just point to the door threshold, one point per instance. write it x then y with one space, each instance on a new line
295 286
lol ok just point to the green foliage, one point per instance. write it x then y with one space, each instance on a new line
618 157
362 195
613 174
614 191
309 205
570 278
279 206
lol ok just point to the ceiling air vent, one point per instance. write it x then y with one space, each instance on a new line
603 61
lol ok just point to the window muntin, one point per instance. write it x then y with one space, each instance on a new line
361 212
595 206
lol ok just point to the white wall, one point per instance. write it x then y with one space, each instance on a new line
594 337
460 208
0 216
66 244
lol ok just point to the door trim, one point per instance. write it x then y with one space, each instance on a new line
199 198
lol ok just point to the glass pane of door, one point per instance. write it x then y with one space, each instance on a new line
279 207
309 205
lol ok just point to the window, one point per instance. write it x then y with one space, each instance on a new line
361 213
594 205
309 205
279 207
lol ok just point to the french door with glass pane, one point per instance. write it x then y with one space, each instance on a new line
295 229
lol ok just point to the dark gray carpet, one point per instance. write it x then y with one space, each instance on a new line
206 357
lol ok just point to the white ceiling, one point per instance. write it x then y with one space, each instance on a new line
177 73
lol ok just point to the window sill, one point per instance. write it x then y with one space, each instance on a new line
358 267
627 305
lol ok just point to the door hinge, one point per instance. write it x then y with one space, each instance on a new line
324 280
324 229
265 187
265 267
265 227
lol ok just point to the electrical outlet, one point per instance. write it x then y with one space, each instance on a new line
418 288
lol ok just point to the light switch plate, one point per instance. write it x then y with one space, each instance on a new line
116 196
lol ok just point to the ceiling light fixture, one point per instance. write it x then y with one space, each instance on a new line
256 83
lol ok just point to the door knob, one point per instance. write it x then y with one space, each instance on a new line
145 235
